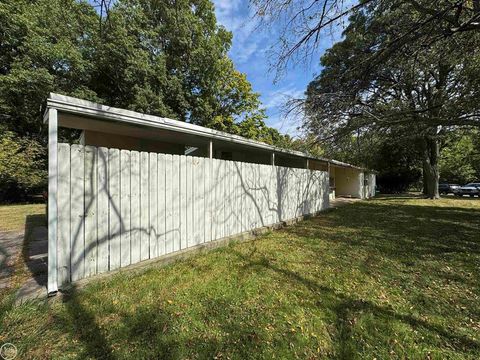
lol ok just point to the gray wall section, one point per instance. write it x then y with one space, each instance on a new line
118 208
96 138
349 182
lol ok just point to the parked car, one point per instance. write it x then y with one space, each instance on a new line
471 189
448 188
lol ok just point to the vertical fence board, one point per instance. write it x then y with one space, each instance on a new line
226 198
244 183
252 201
161 204
169 225
293 195
274 193
264 215
144 207
185 200
176 202
286 193
188 204
247 196
257 204
77 212
223 201
238 212
63 233
90 211
219 199
114 207
199 212
125 207
192 186
135 224
238 197
233 198
153 205
102 210
216 183
206 186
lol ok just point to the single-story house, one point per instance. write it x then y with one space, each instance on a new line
137 187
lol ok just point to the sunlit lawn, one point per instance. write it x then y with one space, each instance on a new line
12 217
388 278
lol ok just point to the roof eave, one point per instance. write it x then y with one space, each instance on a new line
87 108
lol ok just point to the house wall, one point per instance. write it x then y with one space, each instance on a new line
119 207
348 182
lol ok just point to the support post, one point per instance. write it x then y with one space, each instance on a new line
210 149
52 199
307 163
273 159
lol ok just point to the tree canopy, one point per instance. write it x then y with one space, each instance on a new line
422 93
166 58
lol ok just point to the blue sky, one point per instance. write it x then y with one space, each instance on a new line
249 53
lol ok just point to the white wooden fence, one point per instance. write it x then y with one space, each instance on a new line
120 207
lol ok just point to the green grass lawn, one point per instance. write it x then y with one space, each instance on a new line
388 278
12 217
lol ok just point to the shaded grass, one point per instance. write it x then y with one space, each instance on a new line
16 218
12 217
388 278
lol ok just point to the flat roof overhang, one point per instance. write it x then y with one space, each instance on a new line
86 115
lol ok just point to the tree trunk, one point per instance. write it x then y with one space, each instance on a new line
431 174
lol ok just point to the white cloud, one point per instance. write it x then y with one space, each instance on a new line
227 12
237 18
275 103
249 52
286 125
278 98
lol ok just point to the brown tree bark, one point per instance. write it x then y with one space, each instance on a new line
431 174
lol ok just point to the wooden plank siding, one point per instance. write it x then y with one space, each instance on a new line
120 207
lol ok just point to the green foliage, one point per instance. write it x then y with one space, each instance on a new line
398 165
21 166
158 57
460 158
46 46
371 82
396 160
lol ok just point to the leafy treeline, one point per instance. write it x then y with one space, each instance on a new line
398 160
406 72
417 95
166 58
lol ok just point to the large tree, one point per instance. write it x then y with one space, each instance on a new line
423 92
44 46
166 58
170 59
